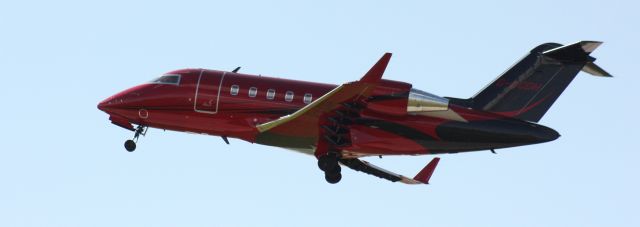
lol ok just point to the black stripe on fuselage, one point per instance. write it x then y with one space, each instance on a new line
398 129
394 96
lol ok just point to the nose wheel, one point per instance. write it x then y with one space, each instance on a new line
130 145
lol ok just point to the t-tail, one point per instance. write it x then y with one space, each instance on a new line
528 89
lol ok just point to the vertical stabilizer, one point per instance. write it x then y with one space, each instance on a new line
529 88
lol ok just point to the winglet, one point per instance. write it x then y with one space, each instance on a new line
425 174
375 73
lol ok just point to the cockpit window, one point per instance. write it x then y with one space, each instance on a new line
167 79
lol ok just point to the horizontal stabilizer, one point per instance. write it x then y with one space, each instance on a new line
576 52
595 70
579 52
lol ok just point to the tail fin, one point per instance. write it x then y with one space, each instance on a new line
528 89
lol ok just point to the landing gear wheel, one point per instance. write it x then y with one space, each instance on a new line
130 145
332 177
328 162
335 170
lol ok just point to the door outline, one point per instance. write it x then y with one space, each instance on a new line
195 100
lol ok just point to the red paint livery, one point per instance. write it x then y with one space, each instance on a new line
368 117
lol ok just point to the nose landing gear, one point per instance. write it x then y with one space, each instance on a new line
130 145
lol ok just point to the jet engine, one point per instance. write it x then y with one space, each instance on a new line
399 98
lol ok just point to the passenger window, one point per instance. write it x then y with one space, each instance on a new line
235 89
271 94
288 96
307 98
253 91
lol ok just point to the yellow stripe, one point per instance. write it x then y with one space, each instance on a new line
272 124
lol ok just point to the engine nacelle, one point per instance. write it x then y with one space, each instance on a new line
390 97
399 98
420 101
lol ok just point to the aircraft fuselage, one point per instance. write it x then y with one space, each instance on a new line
232 104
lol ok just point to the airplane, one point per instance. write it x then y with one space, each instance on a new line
340 124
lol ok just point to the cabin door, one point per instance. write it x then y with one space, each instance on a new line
208 89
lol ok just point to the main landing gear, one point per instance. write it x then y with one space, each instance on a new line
130 145
329 164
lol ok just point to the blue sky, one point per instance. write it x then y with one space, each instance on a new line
62 163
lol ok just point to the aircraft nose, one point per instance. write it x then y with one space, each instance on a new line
106 104
102 105
126 100
112 102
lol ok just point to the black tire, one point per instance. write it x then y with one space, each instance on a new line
332 178
335 170
130 145
327 163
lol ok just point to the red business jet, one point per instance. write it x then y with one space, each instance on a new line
368 117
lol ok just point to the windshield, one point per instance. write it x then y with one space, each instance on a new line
167 79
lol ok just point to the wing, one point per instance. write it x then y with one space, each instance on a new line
326 120
421 178
306 119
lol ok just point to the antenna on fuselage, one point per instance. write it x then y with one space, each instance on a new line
236 70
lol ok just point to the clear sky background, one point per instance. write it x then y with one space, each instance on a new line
63 164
